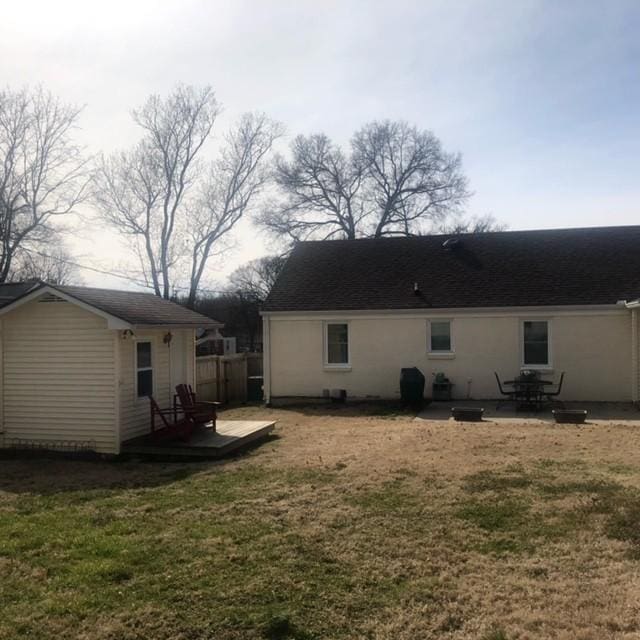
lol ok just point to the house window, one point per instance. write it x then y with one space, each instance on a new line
440 338
535 335
337 343
144 369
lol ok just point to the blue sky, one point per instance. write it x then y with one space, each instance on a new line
541 98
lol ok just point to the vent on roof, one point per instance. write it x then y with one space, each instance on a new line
451 243
49 297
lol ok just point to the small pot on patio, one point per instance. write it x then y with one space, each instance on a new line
467 414
570 416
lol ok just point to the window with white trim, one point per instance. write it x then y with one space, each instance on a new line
535 339
337 344
144 369
440 336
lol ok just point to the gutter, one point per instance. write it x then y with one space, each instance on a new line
420 312
181 325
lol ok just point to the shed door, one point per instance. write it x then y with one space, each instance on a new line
178 360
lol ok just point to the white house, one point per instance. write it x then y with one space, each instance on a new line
78 363
349 314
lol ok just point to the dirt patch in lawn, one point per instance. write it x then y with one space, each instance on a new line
349 525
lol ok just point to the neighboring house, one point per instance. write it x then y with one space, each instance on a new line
348 314
78 363
241 317
213 343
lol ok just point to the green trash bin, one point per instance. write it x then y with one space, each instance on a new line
254 388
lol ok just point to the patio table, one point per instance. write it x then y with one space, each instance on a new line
529 392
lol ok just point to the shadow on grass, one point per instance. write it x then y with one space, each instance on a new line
369 408
281 627
45 473
48 476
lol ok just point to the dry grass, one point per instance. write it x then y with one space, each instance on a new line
349 525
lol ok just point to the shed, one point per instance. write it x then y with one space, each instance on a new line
78 363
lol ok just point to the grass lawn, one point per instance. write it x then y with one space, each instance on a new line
351 525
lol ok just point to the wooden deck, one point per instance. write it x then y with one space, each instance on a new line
204 443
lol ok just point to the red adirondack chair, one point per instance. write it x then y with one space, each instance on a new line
199 411
170 427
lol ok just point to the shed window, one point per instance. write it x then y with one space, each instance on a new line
536 342
440 336
144 369
337 340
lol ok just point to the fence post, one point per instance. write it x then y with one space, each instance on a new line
245 376
218 388
225 380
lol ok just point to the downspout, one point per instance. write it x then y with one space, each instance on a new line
116 390
2 383
266 358
635 357
633 306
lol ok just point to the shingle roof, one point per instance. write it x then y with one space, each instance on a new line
131 306
510 268
11 290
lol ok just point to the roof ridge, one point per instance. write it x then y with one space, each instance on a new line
106 289
479 234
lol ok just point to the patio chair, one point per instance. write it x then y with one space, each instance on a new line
200 411
550 395
508 395
171 427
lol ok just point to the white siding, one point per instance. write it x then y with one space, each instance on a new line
134 411
594 349
58 376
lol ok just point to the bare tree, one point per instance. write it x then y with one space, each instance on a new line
410 178
145 193
475 224
56 266
128 190
321 192
42 172
234 180
396 180
256 278
162 195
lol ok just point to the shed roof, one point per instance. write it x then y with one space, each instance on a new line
132 307
590 266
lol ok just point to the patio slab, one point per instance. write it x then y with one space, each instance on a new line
598 412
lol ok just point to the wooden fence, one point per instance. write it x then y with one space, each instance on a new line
224 378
